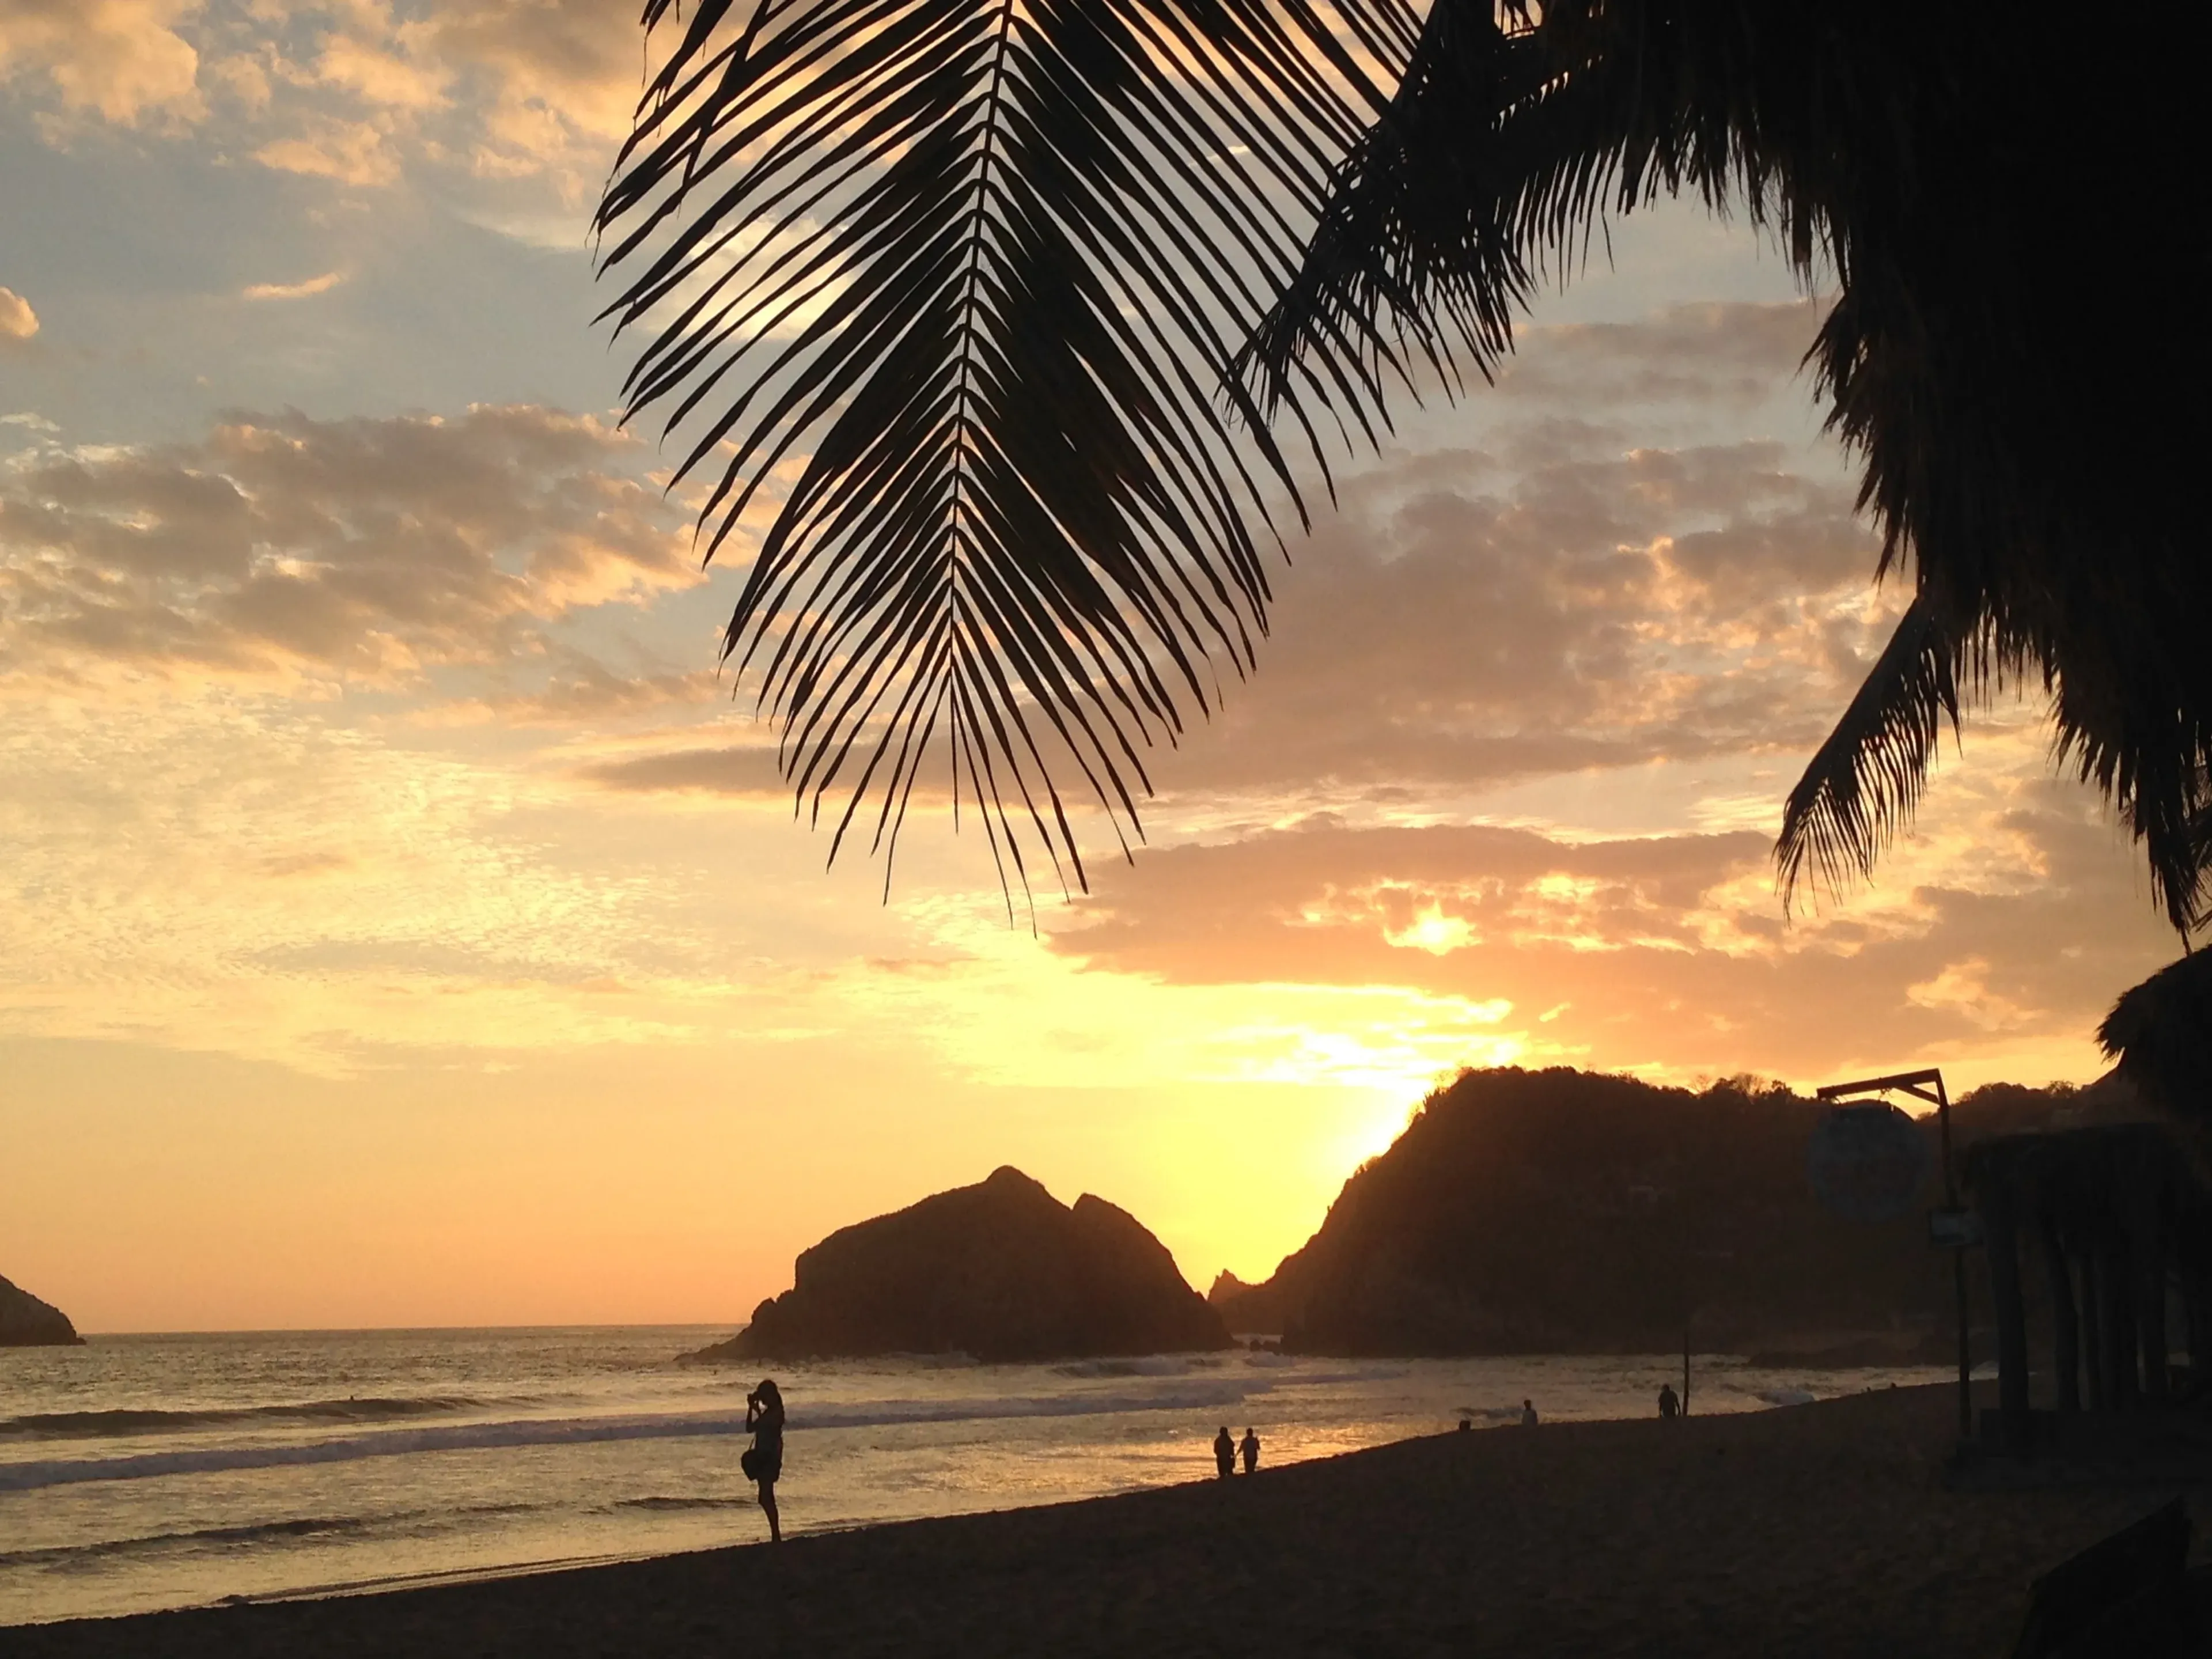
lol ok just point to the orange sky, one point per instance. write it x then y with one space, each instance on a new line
401 925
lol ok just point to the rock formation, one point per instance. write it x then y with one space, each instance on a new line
1002 1271
27 1322
1244 1307
1564 1211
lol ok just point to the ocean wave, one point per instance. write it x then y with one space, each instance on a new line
265 1532
315 1527
36 1475
876 1414
114 1424
1158 1364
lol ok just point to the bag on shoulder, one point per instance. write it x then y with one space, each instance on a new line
749 1462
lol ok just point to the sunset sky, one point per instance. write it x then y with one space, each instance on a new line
400 922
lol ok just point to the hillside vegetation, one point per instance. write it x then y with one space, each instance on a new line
1563 1211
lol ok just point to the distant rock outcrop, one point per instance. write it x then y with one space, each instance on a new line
1245 1309
1001 1271
27 1322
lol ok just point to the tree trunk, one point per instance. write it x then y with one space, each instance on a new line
2065 1324
1999 1204
2115 1292
2092 1329
2145 1196
2150 1284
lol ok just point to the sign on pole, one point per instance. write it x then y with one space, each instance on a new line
1866 1162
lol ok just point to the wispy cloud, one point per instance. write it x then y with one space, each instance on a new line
377 549
313 285
17 320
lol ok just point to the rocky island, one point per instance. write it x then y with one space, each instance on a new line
27 1322
1002 1271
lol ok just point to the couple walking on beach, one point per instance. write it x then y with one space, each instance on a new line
1225 1451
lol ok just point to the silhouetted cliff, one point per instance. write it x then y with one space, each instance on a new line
27 1322
1562 1210
1001 1270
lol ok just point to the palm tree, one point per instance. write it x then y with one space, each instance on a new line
995 308
2159 1034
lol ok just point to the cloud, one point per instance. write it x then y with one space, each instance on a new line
374 550
746 771
1527 588
235 873
1462 622
512 95
381 76
123 60
313 285
18 322
349 152
580 690
504 90
1716 354
2013 921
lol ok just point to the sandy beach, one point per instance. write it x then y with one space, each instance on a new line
1812 1530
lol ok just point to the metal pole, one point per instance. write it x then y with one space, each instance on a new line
1686 1371
1958 1265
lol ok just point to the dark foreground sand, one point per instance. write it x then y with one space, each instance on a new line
1812 1531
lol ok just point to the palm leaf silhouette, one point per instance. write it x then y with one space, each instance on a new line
1862 784
1010 285
962 279
1970 179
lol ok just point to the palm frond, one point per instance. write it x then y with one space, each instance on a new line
1863 783
1957 174
2160 1034
1411 262
962 280
1515 131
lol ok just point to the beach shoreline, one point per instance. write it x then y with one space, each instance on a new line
1809 1530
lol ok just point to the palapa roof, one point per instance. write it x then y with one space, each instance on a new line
2161 1033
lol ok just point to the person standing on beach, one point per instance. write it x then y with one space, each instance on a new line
764 1460
1668 1405
1225 1453
1527 1414
1250 1447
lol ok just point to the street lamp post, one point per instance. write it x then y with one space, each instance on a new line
1928 1085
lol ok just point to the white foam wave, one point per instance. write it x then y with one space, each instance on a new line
1188 1396
1158 1364
33 1476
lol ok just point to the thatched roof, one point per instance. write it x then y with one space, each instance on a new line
2161 1033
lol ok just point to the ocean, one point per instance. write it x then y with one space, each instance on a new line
147 1472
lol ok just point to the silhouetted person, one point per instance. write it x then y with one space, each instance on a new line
1250 1447
1527 1414
764 1460
1466 1425
1225 1453
1668 1405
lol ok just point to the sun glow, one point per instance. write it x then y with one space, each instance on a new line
1434 932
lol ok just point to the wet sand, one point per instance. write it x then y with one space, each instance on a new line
1809 1531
